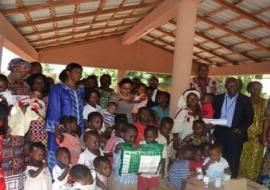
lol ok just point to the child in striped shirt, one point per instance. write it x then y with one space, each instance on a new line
109 114
179 170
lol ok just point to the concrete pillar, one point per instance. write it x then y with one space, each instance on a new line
182 63
1 51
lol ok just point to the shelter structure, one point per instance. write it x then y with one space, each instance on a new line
164 36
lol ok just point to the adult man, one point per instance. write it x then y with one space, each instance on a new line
203 83
237 109
153 85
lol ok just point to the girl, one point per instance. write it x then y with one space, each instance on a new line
144 119
65 98
162 109
37 173
92 142
197 162
105 91
83 178
61 169
67 136
92 98
118 182
198 136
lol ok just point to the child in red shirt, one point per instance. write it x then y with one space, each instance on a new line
207 107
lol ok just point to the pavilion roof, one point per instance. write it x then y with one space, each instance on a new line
227 31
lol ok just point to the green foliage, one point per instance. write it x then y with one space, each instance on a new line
164 80
99 72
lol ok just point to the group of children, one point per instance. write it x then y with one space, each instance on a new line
95 162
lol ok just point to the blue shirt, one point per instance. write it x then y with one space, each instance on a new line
228 108
178 173
161 112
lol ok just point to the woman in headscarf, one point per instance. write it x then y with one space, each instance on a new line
19 69
65 99
188 111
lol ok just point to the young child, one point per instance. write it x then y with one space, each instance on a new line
198 136
115 138
103 169
144 119
197 162
83 178
109 114
95 122
215 165
179 170
92 98
140 99
206 147
67 136
37 173
61 169
207 107
129 135
5 94
148 181
165 137
92 142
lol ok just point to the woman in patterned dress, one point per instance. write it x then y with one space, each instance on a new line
13 154
39 86
65 99
252 153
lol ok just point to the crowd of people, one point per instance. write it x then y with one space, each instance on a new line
69 135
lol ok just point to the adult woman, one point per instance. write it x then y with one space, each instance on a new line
105 91
65 99
39 86
19 69
185 116
252 153
202 83
124 98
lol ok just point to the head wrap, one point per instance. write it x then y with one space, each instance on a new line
16 63
182 102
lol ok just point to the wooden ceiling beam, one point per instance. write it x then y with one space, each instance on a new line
80 38
80 25
87 14
242 13
81 32
221 27
46 5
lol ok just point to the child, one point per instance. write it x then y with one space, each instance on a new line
67 136
198 159
179 170
5 94
109 114
95 122
198 136
129 135
83 178
215 165
162 109
206 147
92 98
207 107
37 173
92 142
61 169
147 181
165 137
140 99
103 169
115 138
144 119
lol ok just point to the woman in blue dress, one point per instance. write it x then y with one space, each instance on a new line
65 99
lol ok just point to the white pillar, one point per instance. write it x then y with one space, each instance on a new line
1 51
182 63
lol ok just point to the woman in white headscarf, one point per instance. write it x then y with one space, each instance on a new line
188 111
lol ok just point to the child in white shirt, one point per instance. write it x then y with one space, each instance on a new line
92 99
61 169
215 165
103 169
4 92
92 142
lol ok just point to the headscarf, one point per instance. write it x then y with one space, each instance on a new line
16 63
182 102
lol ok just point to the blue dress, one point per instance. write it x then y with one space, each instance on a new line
63 101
